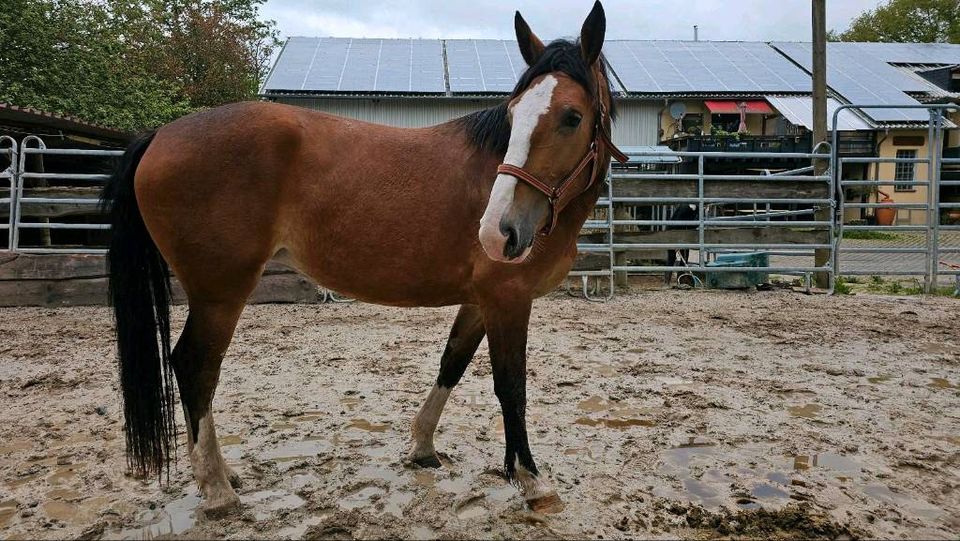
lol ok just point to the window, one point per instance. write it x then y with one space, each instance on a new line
905 171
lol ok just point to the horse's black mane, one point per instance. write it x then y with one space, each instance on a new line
489 130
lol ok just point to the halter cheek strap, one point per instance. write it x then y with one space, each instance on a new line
563 193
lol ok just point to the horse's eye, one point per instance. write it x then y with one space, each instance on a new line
572 119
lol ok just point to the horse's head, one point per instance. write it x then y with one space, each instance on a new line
554 115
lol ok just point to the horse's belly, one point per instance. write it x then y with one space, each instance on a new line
388 279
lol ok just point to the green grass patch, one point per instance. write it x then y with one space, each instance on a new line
842 287
869 235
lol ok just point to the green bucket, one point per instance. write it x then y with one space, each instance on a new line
738 280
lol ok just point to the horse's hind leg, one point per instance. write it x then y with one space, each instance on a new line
465 336
196 361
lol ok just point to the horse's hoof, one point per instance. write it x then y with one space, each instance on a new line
234 479
548 504
222 506
429 461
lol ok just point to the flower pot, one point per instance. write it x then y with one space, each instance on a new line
885 216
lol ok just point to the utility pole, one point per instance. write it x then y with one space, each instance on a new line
821 257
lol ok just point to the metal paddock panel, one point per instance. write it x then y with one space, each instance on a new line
774 232
34 146
8 174
930 252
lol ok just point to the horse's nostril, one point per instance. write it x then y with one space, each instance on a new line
512 247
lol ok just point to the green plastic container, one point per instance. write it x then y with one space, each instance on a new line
738 280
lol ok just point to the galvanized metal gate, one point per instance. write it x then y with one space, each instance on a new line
799 230
930 249
22 176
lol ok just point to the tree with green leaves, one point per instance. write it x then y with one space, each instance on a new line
131 64
906 21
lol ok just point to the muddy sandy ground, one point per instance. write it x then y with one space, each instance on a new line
751 414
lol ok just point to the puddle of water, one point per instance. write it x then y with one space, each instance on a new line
879 379
778 477
294 450
8 508
593 404
273 500
940 383
350 402
23 480
396 501
363 424
424 478
807 411
377 452
67 494
379 472
298 531
175 518
283 426
764 491
63 474
695 441
309 416
359 497
830 461
13 446
701 491
422 531
230 439
916 506
456 486
615 423
501 494
301 480
683 456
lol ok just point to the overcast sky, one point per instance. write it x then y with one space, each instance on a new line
626 19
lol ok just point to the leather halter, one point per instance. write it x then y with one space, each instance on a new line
562 194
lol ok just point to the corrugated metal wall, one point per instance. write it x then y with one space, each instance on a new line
636 123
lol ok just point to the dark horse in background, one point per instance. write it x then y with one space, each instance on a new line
481 212
680 213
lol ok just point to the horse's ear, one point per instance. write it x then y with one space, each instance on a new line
591 35
530 45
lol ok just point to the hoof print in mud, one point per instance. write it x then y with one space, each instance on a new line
431 461
220 509
549 504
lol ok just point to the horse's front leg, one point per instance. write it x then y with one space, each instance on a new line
465 337
506 325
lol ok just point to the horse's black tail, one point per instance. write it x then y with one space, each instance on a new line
140 295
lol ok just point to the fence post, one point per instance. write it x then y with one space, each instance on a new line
936 154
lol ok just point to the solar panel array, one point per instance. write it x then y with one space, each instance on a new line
859 72
483 65
907 53
703 66
359 65
863 79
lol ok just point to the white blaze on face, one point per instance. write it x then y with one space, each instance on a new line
526 114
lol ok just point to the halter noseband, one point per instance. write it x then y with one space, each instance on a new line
561 194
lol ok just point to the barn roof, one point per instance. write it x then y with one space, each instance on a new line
857 72
28 118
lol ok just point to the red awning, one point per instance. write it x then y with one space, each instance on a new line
733 107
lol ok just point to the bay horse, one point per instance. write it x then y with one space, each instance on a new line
481 212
